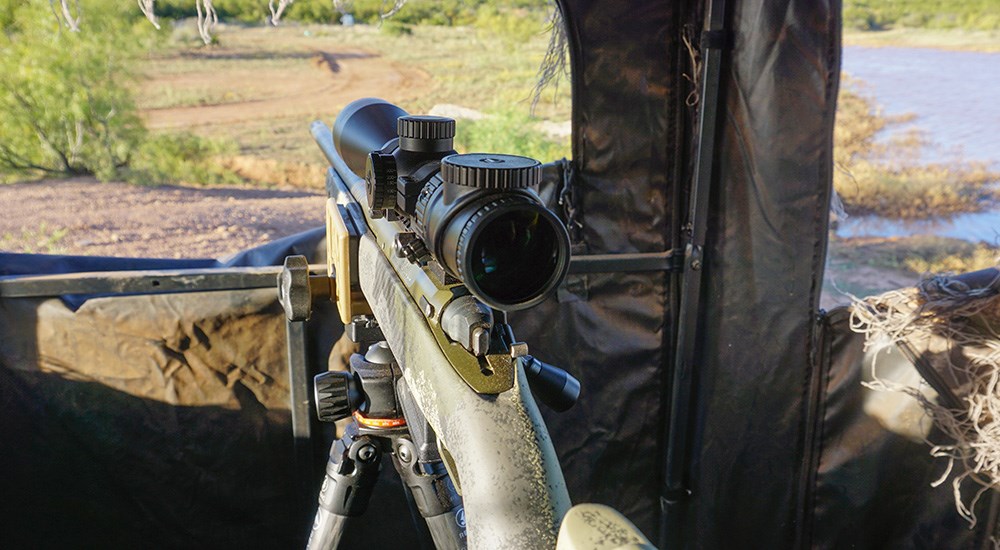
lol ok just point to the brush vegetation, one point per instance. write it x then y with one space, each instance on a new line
887 177
471 66
919 255
922 14
449 13
69 104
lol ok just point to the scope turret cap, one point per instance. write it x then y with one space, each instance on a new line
426 134
491 171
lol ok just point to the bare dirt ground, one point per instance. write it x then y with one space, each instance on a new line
335 79
84 216
840 284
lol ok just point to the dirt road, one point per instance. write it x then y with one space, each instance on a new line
329 81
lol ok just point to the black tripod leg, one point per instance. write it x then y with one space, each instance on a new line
350 478
433 493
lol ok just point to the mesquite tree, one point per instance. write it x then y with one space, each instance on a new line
147 9
67 15
207 19
277 12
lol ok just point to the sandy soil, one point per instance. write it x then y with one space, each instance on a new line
84 216
840 284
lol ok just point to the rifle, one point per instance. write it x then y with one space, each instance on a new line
428 252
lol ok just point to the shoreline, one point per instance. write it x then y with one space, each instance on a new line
986 42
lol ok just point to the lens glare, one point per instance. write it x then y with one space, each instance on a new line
515 256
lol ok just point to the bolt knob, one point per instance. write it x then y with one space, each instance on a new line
337 394
426 134
491 171
380 181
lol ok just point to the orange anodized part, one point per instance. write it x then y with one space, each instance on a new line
379 422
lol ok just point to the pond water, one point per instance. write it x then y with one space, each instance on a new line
955 97
978 226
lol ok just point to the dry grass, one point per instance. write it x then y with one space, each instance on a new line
918 255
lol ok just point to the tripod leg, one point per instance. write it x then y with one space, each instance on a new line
433 493
350 478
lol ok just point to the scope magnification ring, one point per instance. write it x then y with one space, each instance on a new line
423 200
477 223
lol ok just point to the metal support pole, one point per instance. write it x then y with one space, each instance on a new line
298 389
675 492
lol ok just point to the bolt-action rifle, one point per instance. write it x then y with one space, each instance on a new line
427 252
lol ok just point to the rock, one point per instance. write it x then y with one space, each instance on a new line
456 111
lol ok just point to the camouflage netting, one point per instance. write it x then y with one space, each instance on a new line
951 331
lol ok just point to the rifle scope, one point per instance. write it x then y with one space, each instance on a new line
475 218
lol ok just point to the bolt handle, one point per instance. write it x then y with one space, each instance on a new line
552 385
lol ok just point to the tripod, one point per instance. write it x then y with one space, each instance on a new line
386 420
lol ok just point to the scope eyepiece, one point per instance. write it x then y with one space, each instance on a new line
477 214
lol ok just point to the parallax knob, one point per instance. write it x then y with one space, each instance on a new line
380 181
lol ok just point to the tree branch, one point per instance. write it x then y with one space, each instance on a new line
38 129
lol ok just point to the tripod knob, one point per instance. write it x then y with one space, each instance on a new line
338 395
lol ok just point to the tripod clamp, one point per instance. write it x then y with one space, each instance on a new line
386 421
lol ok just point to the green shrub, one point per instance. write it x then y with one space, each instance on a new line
65 96
932 14
245 11
395 28
511 132
180 158
312 11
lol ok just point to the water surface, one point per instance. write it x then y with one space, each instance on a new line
955 95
